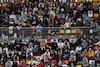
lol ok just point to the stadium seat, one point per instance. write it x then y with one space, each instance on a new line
34 57
78 0
28 62
33 33
79 66
2 43
84 0
95 47
53 62
66 61
95 1
4 4
73 31
95 4
78 31
68 31
23 19
23 62
96 15
90 61
62 31
90 0
90 13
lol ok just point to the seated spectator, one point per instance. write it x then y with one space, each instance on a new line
46 59
25 41
72 45
72 62
8 64
66 38
97 51
85 52
29 49
90 44
16 56
72 38
60 44
17 20
84 42
15 64
60 38
72 56
48 40
91 53
29 55
52 40
10 55
97 58
13 16
35 50
78 48
66 25
67 44
41 50
54 45
84 38
85 63
11 46
95 39
31 42
21 64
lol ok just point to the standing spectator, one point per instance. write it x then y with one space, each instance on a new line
39 29
94 26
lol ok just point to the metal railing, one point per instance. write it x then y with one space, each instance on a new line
8 32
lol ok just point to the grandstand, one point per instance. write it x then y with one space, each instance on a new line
49 33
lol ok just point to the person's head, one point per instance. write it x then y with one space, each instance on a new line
85 61
54 37
6 41
96 36
72 36
45 8
60 40
90 49
91 36
90 41
24 37
48 36
28 46
54 41
12 12
66 37
84 36
60 36
65 41
99 48
97 54
35 46
85 50
39 24
84 41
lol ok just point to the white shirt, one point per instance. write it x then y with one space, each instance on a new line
78 48
12 16
66 25
73 40
60 45
35 9
52 40
25 41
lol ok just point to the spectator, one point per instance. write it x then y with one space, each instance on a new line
48 40
52 40
60 44
38 29
85 52
91 53
8 64
25 41
97 51
85 63
15 64
12 15
35 50
94 26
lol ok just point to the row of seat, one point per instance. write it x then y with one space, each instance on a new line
94 1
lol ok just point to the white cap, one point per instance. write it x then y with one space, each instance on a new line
60 36
72 35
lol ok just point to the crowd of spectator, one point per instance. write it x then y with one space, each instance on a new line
77 50
50 13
